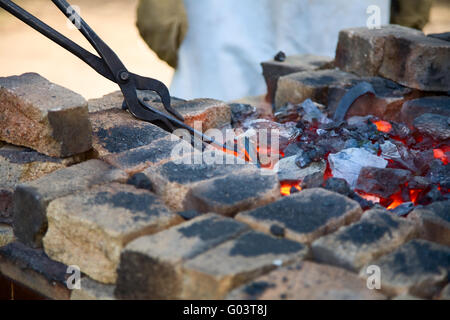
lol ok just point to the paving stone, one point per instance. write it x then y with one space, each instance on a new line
151 266
352 247
433 222
93 290
214 273
31 199
90 228
139 159
328 87
414 108
306 281
401 54
273 70
306 215
33 269
38 114
174 179
114 100
434 125
319 86
6 235
17 165
288 170
234 193
419 267
383 182
116 131
212 113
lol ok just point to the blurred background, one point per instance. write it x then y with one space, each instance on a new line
24 50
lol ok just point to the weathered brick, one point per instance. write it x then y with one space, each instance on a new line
6 234
306 281
233 193
38 114
329 86
151 266
139 159
401 54
18 164
174 179
352 247
306 215
116 131
90 228
419 267
414 108
214 273
30 200
32 268
433 222
212 113
93 290
273 70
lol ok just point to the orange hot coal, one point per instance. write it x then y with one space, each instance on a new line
383 126
287 186
440 154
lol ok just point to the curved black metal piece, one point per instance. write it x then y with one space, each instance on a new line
350 97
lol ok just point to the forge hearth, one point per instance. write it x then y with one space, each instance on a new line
299 208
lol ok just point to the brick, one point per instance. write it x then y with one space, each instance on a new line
151 266
90 228
433 222
33 269
93 290
306 215
214 273
38 114
306 281
212 113
234 193
116 131
354 246
434 125
414 108
139 159
30 200
174 179
6 234
403 55
18 165
419 268
288 170
273 70
328 87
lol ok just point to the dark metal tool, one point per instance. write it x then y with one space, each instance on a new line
109 65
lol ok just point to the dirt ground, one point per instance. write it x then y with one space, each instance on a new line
23 49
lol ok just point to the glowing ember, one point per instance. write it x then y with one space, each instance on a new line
440 154
413 194
396 200
287 186
369 197
383 126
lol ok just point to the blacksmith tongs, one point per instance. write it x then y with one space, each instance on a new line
110 66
